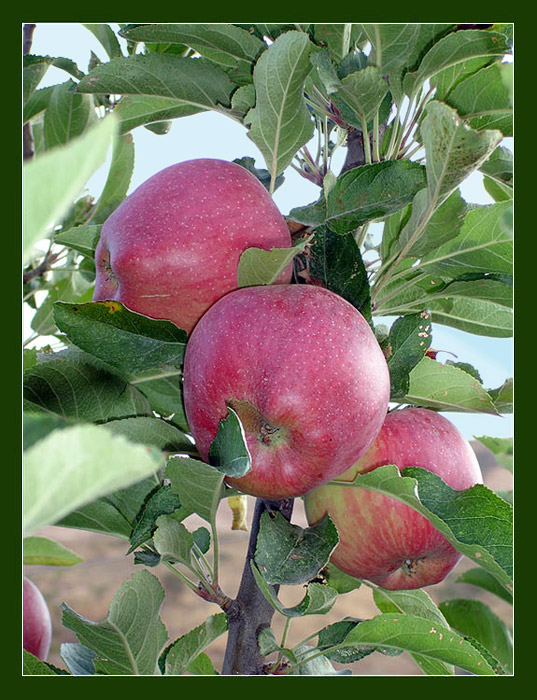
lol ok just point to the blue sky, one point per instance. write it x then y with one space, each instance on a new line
216 136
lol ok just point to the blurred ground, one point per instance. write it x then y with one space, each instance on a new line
89 586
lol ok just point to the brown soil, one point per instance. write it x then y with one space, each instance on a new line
89 586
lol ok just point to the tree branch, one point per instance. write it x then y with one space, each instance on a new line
250 612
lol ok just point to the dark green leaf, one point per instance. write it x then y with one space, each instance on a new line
162 502
335 260
129 640
262 174
38 425
37 103
34 69
150 431
360 95
83 239
289 554
172 540
410 338
340 581
118 180
67 115
503 397
32 666
198 485
339 39
258 266
107 37
123 338
228 451
138 110
474 619
186 649
483 579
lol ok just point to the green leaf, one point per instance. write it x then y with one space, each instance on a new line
258 266
52 181
336 261
280 121
478 316
503 397
339 39
198 485
476 521
419 603
36 104
484 245
289 554
83 239
339 580
116 513
314 666
453 150
472 618
449 78
129 640
37 425
172 540
332 636
139 110
164 393
124 339
482 100
67 115
409 339
359 195
360 95
419 635
456 48
118 180
228 451
318 600
193 82
78 658
483 579
70 286
444 387
107 38
78 390
231 47
42 550
162 502
502 448
34 69
201 666
150 431
184 651
74 466
247 162
32 666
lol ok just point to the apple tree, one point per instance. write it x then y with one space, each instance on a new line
133 423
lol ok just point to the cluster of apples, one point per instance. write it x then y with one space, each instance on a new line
298 363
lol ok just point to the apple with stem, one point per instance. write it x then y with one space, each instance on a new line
305 374
381 539
172 247
37 626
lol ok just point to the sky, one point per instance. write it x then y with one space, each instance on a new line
210 135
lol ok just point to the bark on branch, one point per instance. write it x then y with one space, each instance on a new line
250 612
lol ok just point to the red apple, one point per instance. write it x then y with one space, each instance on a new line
304 372
37 627
172 247
381 539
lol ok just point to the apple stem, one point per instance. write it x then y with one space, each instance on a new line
250 612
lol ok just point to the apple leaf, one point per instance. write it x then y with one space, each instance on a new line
339 39
198 485
415 602
34 69
476 521
118 180
499 166
258 266
78 390
162 502
74 466
332 635
150 431
483 101
123 338
179 656
409 340
37 425
172 540
484 245
82 238
483 579
106 37
280 123
473 619
32 666
67 115
42 550
78 658
311 664
228 451
231 47
445 387
418 635
359 95
503 397
247 162
336 261
266 641
359 195
129 640
342 582
194 83
138 110
52 181
318 600
289 554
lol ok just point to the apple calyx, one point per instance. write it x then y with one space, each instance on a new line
410 566
107 267
255 424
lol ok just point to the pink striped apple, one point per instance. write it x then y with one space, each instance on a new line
304 372
172 247
381 539
37 627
